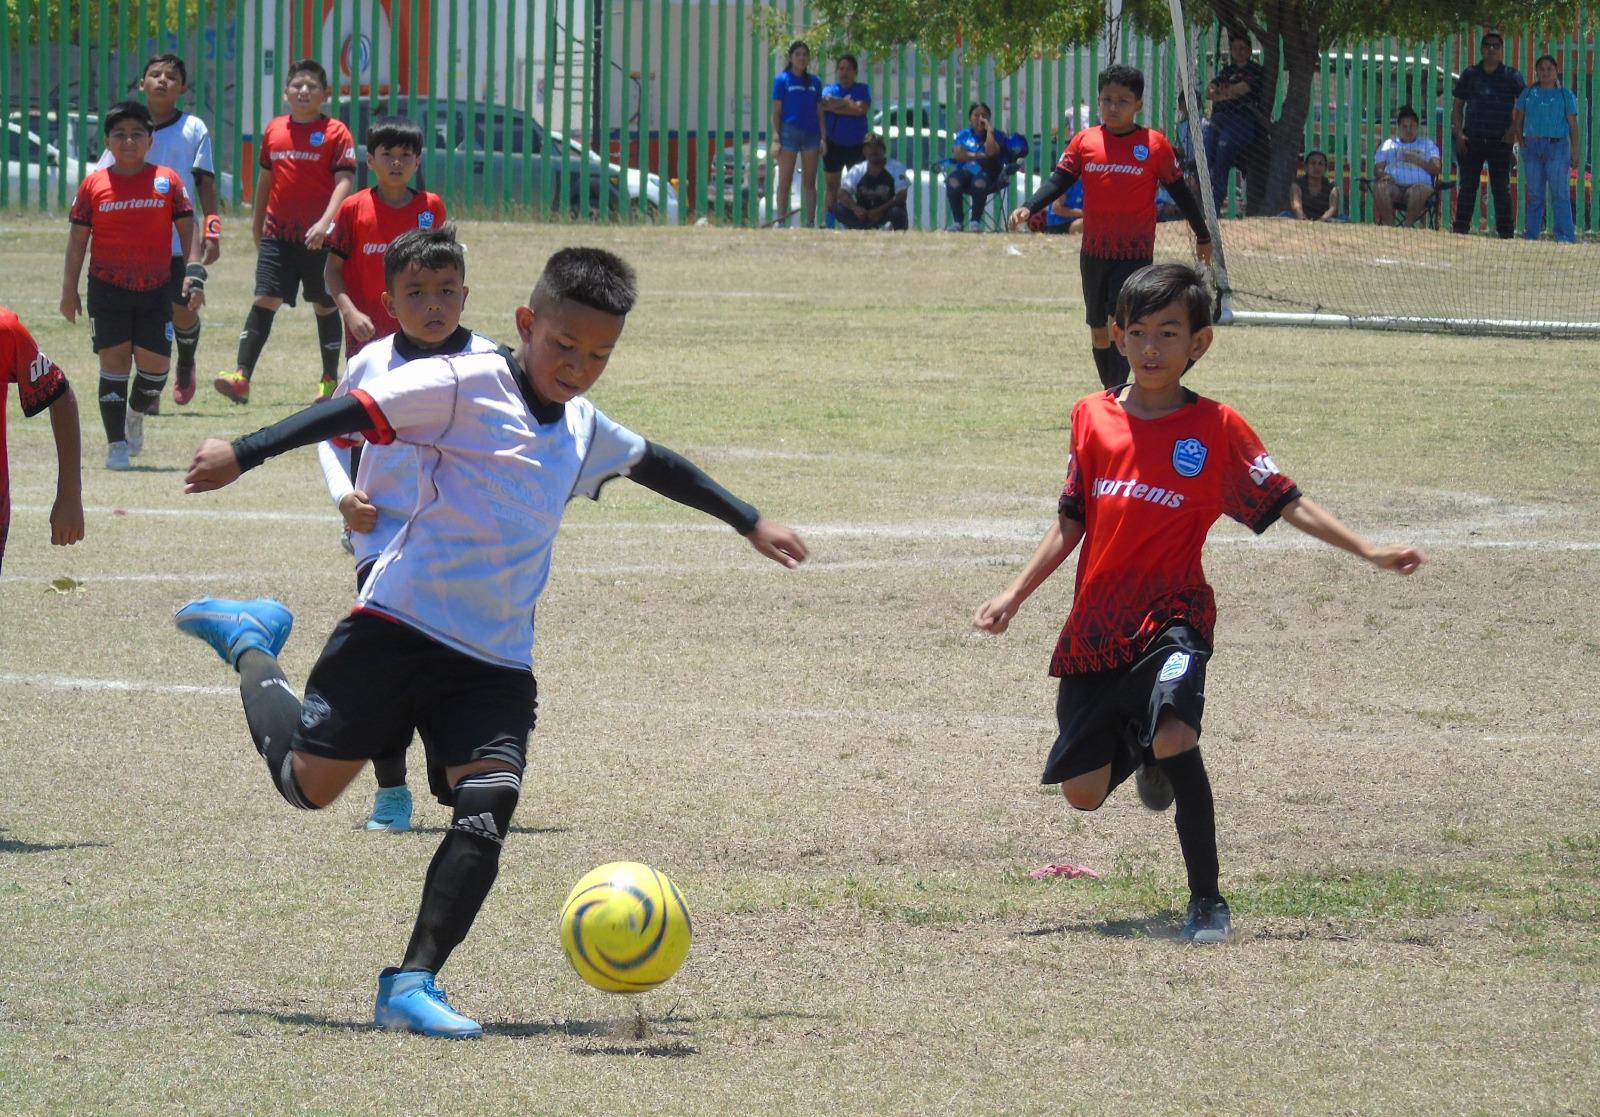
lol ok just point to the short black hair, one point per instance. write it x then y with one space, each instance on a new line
591 276
1550 58
167 60
307 66
1129 77
1404 111
1495 35
128 110
1151 288
394 131
432 249
1314 152
850 58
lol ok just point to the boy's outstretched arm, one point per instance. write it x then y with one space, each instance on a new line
218 463
994 616
1316 521
675 477
66 515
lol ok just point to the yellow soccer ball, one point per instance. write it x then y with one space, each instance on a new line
625 928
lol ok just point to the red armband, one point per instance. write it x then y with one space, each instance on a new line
213 227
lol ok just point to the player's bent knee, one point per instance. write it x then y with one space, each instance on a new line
1088 791
1173 737
321 780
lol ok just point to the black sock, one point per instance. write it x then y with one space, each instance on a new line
390 770
253 338
330 333
272 711
1196 819
114 405
188 341
1118 365
1103 367
145 398
464 869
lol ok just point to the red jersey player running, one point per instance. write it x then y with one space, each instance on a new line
1152 467
1121 163
41 384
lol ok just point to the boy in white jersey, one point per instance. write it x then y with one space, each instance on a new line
442 633
424 274
180 141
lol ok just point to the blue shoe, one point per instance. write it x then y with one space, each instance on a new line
391 810
409 1001
234 627
1209 923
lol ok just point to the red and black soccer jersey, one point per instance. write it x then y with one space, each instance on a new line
361 234
303 159
1120 175
130 217
39 382
1147 491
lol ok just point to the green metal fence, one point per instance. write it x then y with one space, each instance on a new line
642 110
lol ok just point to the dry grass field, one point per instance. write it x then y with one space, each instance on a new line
839 773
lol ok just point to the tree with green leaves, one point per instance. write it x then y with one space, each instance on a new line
1291 35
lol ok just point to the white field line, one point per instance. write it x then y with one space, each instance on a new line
73 682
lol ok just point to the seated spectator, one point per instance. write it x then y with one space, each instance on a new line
873 192
979 154
1408 165
1313 197
1062 217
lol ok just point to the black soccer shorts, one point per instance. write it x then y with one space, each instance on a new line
1110 717
118 315
1102 283
283 268
376 680
841 157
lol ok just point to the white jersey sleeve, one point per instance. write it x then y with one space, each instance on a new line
202 149
417 408
613 450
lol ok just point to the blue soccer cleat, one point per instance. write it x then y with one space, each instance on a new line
409 1001
1209 923
391 810
234 627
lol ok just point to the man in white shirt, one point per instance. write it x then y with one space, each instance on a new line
1408 165
441 638
873 192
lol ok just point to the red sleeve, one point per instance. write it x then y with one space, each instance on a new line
1164 159
83 205
341 147
40 382
181 205
436 207
381 433
1072 159
1071 502
264 156
340 237
1254 489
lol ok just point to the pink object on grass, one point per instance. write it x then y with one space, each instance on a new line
1068 871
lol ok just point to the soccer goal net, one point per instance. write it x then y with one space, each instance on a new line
1445 184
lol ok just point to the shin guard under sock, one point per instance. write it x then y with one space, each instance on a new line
145 397
272 711
330 333
1196 820
390 770
464 869
114 405
253 338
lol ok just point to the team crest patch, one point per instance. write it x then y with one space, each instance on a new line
317 138
163 184
1141 152
1189 456
424 220
316 710
1177 663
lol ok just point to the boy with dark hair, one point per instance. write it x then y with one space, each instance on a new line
130 209
1151 467
424 292
442 633
181 141
1122 164
307 166
40 384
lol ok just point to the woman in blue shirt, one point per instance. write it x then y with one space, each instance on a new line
978 153
844 111
1546 122
797 124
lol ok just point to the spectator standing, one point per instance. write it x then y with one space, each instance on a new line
797 122
1407 165
1480 119
1546 122
844 113
1314 197
1236 114
873 191
980 150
